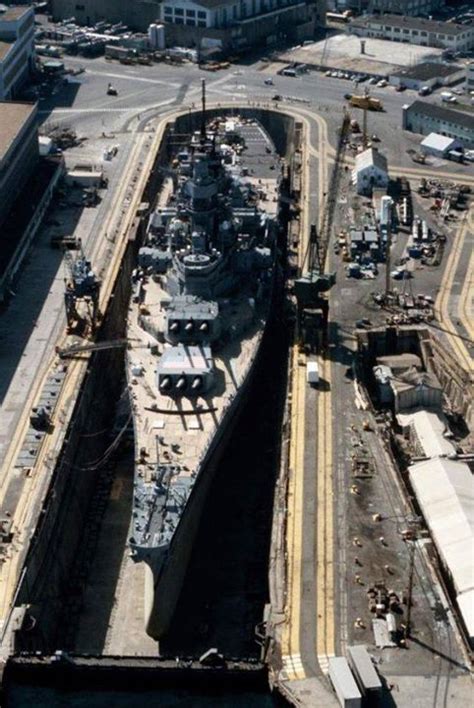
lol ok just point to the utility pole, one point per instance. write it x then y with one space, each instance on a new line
411 573
364 118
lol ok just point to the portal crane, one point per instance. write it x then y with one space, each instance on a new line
81 295
313 307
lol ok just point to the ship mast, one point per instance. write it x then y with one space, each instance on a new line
203 110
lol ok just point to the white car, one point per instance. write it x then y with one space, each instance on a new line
372 81
382 83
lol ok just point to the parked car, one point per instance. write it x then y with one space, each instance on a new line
268 82
425 91
400 87
382 83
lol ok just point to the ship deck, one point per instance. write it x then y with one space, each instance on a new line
178 432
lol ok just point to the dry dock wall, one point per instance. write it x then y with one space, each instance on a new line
45 581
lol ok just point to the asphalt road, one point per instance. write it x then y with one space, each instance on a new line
153 89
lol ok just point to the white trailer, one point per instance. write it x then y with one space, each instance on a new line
312 373
344 683
364 671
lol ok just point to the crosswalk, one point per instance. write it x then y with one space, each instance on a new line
293 667
323 660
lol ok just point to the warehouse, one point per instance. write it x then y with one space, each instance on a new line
415 30
445 494
17 32
205 24
425 118
429 74
19 150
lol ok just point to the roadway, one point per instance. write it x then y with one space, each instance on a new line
312 612
454 302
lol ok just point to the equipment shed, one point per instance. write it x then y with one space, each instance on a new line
439 145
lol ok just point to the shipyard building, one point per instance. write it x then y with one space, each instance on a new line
19 151
401 7
219 24
428 33
425 118
17 33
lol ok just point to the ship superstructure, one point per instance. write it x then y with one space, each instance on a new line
201 298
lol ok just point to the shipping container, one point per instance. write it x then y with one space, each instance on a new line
344 683
365 674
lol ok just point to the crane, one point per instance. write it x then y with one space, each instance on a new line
313 307
81 295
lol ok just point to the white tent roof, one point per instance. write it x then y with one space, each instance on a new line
466 607
445 493
435 141
430 429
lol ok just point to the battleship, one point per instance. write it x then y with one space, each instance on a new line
201 300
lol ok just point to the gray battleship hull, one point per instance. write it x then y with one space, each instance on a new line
164 580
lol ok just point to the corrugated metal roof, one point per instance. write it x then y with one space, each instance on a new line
413 23
430 430
445 492
432 110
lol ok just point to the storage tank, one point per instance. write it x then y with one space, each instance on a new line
156 36
344 683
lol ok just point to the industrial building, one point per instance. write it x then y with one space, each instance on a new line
428 33
206 24
425 118
429 74
416 389
19 150
370 171
405 7
439 145
469 84
137 14
17 32
226 24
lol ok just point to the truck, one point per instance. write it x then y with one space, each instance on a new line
344 683
312 373
112 51
368 102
